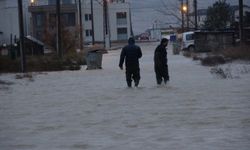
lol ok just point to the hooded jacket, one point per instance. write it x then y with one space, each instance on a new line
131 53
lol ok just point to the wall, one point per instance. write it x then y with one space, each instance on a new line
9 19
113 8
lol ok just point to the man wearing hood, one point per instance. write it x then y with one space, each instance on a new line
161 62
131 53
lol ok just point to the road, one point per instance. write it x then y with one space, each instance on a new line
94 110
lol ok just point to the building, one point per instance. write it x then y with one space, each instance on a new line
201 17
202 14
119 23
39 17
119 20
9 27
43 18
235 9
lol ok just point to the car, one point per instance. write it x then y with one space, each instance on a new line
188 41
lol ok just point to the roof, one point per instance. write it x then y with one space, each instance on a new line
34 40
200 12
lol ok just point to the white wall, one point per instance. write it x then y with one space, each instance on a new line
98 21
113 8
9 23
9 18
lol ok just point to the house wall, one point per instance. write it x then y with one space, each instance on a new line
8 9
113 9
9 24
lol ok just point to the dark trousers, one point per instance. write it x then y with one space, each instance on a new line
133 73
161 73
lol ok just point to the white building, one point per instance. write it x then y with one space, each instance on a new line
119 23
9 24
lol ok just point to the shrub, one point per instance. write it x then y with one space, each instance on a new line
240 52
187 54
212 60
71 61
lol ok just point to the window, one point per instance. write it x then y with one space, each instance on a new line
121 18
39 35
88 33
122 33
122 30
121 15
66 1
190 37
39 19
88 17
69 19
52 2
52 20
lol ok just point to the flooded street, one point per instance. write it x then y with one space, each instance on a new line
94 110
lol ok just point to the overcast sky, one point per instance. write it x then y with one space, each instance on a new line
146 12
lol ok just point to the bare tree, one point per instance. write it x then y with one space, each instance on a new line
170 10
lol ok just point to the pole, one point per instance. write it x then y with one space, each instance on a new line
81 29
187 3
105 16
130 20
195 14
241 20
182 17
92 23
58 14
106 31
21 32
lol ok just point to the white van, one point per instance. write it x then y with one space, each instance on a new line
188 41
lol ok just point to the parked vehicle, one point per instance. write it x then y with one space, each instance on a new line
188 41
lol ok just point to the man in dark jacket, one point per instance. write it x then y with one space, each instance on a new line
131 53
160 62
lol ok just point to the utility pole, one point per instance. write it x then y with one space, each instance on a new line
21 38
187 3
241 20
182 16
58 24
130 20
92 23
80 20
106 31
195 15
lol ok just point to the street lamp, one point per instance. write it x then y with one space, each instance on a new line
32 2
184 8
